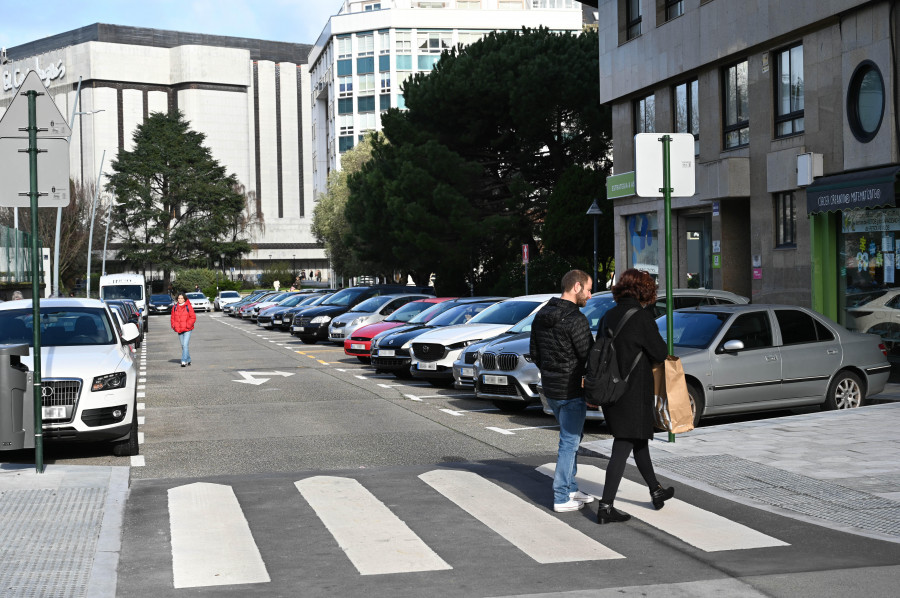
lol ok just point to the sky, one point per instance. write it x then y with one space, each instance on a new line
297 21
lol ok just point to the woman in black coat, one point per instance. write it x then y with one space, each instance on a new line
630 419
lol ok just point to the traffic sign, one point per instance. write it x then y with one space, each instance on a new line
53 173
648 164
48 115
525 253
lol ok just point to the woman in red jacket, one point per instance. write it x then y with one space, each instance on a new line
183 318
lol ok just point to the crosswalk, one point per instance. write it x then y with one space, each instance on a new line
212 543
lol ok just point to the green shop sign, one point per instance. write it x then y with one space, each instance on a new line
620 185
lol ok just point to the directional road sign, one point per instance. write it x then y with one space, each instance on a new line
48 115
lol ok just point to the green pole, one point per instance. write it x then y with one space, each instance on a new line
667 201
35 286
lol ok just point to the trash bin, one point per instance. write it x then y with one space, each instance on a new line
16 400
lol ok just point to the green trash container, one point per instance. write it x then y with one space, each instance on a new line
16 400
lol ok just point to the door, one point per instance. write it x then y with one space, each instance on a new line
699 251
809 354
752 374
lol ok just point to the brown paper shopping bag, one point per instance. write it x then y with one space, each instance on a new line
673 404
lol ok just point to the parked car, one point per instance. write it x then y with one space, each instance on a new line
390 349
434 352
89 370
245 311
199 301
359 344
160 304
876 312
369 311
287 318
682 298
231 309
130 313
224 298
266 315
313 325
269 302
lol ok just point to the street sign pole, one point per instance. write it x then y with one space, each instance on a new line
35 291
667 208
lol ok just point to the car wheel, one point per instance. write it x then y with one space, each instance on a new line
698 403
510 406
845 392
129 447
364 359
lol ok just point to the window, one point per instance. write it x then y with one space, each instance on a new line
552 4
345 124
644 113
799 327
344 47
372 6
365 65
468 4
434 42
401 102
384 42
752 329
344 67
431 4
789 91
426 62
385 83
345 143
785 220
367 121
510 5
403 42
365 45
865 101
642 242
345 86
737 112
467 38
674 8
366 104
384 102
345 106
384 63
404 63
687 111
632 19
366 84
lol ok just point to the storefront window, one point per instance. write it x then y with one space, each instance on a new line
643 236
868 261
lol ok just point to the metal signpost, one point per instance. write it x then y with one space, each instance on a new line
38 120
654 177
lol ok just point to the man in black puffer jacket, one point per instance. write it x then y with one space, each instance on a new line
560 341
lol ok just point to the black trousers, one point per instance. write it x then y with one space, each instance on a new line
622 447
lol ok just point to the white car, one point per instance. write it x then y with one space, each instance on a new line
432 354
224 298
199 301
88 370
370 311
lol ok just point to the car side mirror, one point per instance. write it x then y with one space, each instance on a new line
733 346
130 333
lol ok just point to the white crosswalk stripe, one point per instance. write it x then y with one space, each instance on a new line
707 531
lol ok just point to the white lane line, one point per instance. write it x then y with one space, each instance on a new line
412 397
137 461
531 529
142 379
452 412
141 406
700 528
140 438
512 431
142 395
142 387
501 430
141 420
374 376
389 385
374 539
211 541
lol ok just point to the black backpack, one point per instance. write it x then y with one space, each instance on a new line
603 383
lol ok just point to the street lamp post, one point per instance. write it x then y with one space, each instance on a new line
91 234
595 211
106 237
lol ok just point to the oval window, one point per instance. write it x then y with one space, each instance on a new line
865 101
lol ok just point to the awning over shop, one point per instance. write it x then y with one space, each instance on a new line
872 188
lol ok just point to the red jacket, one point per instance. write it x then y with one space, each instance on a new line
183 317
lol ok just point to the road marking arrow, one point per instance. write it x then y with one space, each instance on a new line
249 379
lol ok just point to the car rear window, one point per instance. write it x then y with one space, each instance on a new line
506 312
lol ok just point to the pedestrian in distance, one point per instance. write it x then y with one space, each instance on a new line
560 341
630 419
17 295
183 319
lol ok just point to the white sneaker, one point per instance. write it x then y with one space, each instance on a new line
581 497
571 505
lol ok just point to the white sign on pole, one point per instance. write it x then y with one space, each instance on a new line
47 112
53 173
648 164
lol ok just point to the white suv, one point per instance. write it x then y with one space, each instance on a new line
88 370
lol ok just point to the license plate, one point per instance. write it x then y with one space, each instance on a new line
298 328
467 372
427 365
276 320
338 335
386 353
53 412
358 346
495 380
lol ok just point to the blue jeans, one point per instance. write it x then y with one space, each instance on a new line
570 414
185 338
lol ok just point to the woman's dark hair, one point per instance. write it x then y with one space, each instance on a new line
635 284
177 295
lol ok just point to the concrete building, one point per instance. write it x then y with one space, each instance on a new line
793 109
366 52
249 97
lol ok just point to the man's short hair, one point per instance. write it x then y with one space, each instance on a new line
573 276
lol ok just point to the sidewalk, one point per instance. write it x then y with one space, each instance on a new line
839 469
61 530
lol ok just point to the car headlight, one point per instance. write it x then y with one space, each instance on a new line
462 345
357 322
109 381
320 320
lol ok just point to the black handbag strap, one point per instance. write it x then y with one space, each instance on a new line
615 333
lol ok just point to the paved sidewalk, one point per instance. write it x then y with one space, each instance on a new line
840 469
61 530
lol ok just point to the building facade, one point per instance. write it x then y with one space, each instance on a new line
249 97
793 111
366 52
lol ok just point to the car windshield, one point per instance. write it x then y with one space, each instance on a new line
160 298
195 296
345 297
507 312
695 329
292 301
523 326
433 310
121 291
229 294
320 300
459 314
408 311
372 305
596 308
60 327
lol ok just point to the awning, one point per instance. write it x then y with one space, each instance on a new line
872 188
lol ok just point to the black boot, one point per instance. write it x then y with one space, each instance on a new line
608 514
660 495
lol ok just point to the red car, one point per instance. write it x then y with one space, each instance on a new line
360 341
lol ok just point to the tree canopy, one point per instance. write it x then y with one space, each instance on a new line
175 205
